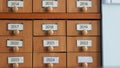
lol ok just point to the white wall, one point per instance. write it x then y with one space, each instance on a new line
111 35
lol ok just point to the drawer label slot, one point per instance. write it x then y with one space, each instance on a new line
15 26
81 27
15 3
81 43
49 27
85 59
54 60
84 3
48 43
13 43
49 3
12 60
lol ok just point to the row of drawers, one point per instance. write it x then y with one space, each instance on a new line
26 6
49 27
49 60
49 44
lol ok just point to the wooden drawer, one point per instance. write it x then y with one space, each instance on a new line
16 6
49 27
16 60
83 6
83 27
83 60
49 44
16 28
83 44
49 60
49 6
15 44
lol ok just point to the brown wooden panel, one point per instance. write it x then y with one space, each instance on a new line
38 60
72 44
49 16
39 47
27 60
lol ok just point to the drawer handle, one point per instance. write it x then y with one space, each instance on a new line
84 9
50 65
85 48
16 49
49 9
84 32
15 9
50 48
15 65
16 32
85 65
50 32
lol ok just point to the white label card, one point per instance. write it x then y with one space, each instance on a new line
81 43
49 3
85 59
49 27
81 27
48 43
13 43
12 60
84 3
15 26
54 60
15 3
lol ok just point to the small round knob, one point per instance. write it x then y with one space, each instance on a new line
16 32
50 65
85 48
85 65
15 9
16 49
50 48
49 9
84 9
15 65
50 32
84 32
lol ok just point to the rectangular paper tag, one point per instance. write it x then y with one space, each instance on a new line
49 3
15 26
84 4
54 60
12 60
85 59
49 27
81 27
13 43
81 43
48 43
15 3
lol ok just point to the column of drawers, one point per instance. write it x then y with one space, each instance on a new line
83 43
49 43
15 43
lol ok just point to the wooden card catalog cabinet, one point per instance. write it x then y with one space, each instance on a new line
50 33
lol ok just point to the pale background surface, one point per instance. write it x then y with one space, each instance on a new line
111 34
